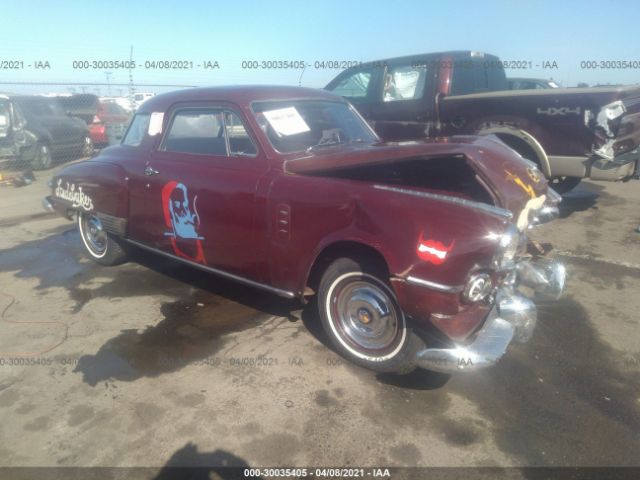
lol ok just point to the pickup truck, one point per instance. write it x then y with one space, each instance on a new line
570 133
414 254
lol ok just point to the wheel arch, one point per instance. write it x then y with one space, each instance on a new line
523 138
343 248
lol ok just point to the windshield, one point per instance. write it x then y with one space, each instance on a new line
299 125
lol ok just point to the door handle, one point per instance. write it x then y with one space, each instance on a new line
150 171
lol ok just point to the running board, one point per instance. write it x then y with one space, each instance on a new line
215 271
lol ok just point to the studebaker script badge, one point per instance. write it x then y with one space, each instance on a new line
74 195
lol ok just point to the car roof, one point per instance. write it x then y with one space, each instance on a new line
242 95
448 53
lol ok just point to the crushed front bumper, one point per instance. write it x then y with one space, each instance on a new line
512 318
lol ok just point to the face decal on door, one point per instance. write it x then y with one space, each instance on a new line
182 222
433 251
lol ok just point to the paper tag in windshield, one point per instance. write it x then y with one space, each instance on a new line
286 121
155 123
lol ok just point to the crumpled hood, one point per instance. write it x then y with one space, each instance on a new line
512 181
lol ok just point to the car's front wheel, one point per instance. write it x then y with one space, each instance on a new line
363 320
101 246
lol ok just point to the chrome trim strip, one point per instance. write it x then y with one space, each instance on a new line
230 276
47 205
115 225
500 212
435 286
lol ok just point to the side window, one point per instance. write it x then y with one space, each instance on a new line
196 131
355 85
137 129
240 142
404 83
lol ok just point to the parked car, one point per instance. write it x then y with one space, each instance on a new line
413 252
141 97
42 133
108 124
106 119
125 102
15 141
531 83
570 133
81 105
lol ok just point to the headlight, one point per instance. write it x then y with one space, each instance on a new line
508 246
477 288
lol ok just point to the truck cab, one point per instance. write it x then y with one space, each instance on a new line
570 133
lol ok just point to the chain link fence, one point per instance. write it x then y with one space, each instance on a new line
42 130
39 131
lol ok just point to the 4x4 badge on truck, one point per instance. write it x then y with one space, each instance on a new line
553 111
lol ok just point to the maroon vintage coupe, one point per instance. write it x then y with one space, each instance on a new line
416 252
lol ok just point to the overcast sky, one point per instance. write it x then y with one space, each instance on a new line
540 32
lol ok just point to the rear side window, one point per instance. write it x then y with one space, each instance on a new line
355 85
198 131
404 83
479 75
137 129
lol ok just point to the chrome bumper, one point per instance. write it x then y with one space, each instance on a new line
513 318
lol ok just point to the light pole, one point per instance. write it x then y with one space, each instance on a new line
108 75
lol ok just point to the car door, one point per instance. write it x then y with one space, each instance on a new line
401 109
199 189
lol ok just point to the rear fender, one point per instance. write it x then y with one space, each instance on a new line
95 187
529 139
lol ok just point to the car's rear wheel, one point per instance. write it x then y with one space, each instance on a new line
101 246
43 158
363 320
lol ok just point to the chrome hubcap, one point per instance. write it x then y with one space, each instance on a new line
93 233
366 315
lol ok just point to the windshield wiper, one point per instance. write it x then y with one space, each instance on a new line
329 144
325 144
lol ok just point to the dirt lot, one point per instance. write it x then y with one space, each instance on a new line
152 363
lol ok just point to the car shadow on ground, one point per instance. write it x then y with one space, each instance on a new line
189 463
194 327
582 198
